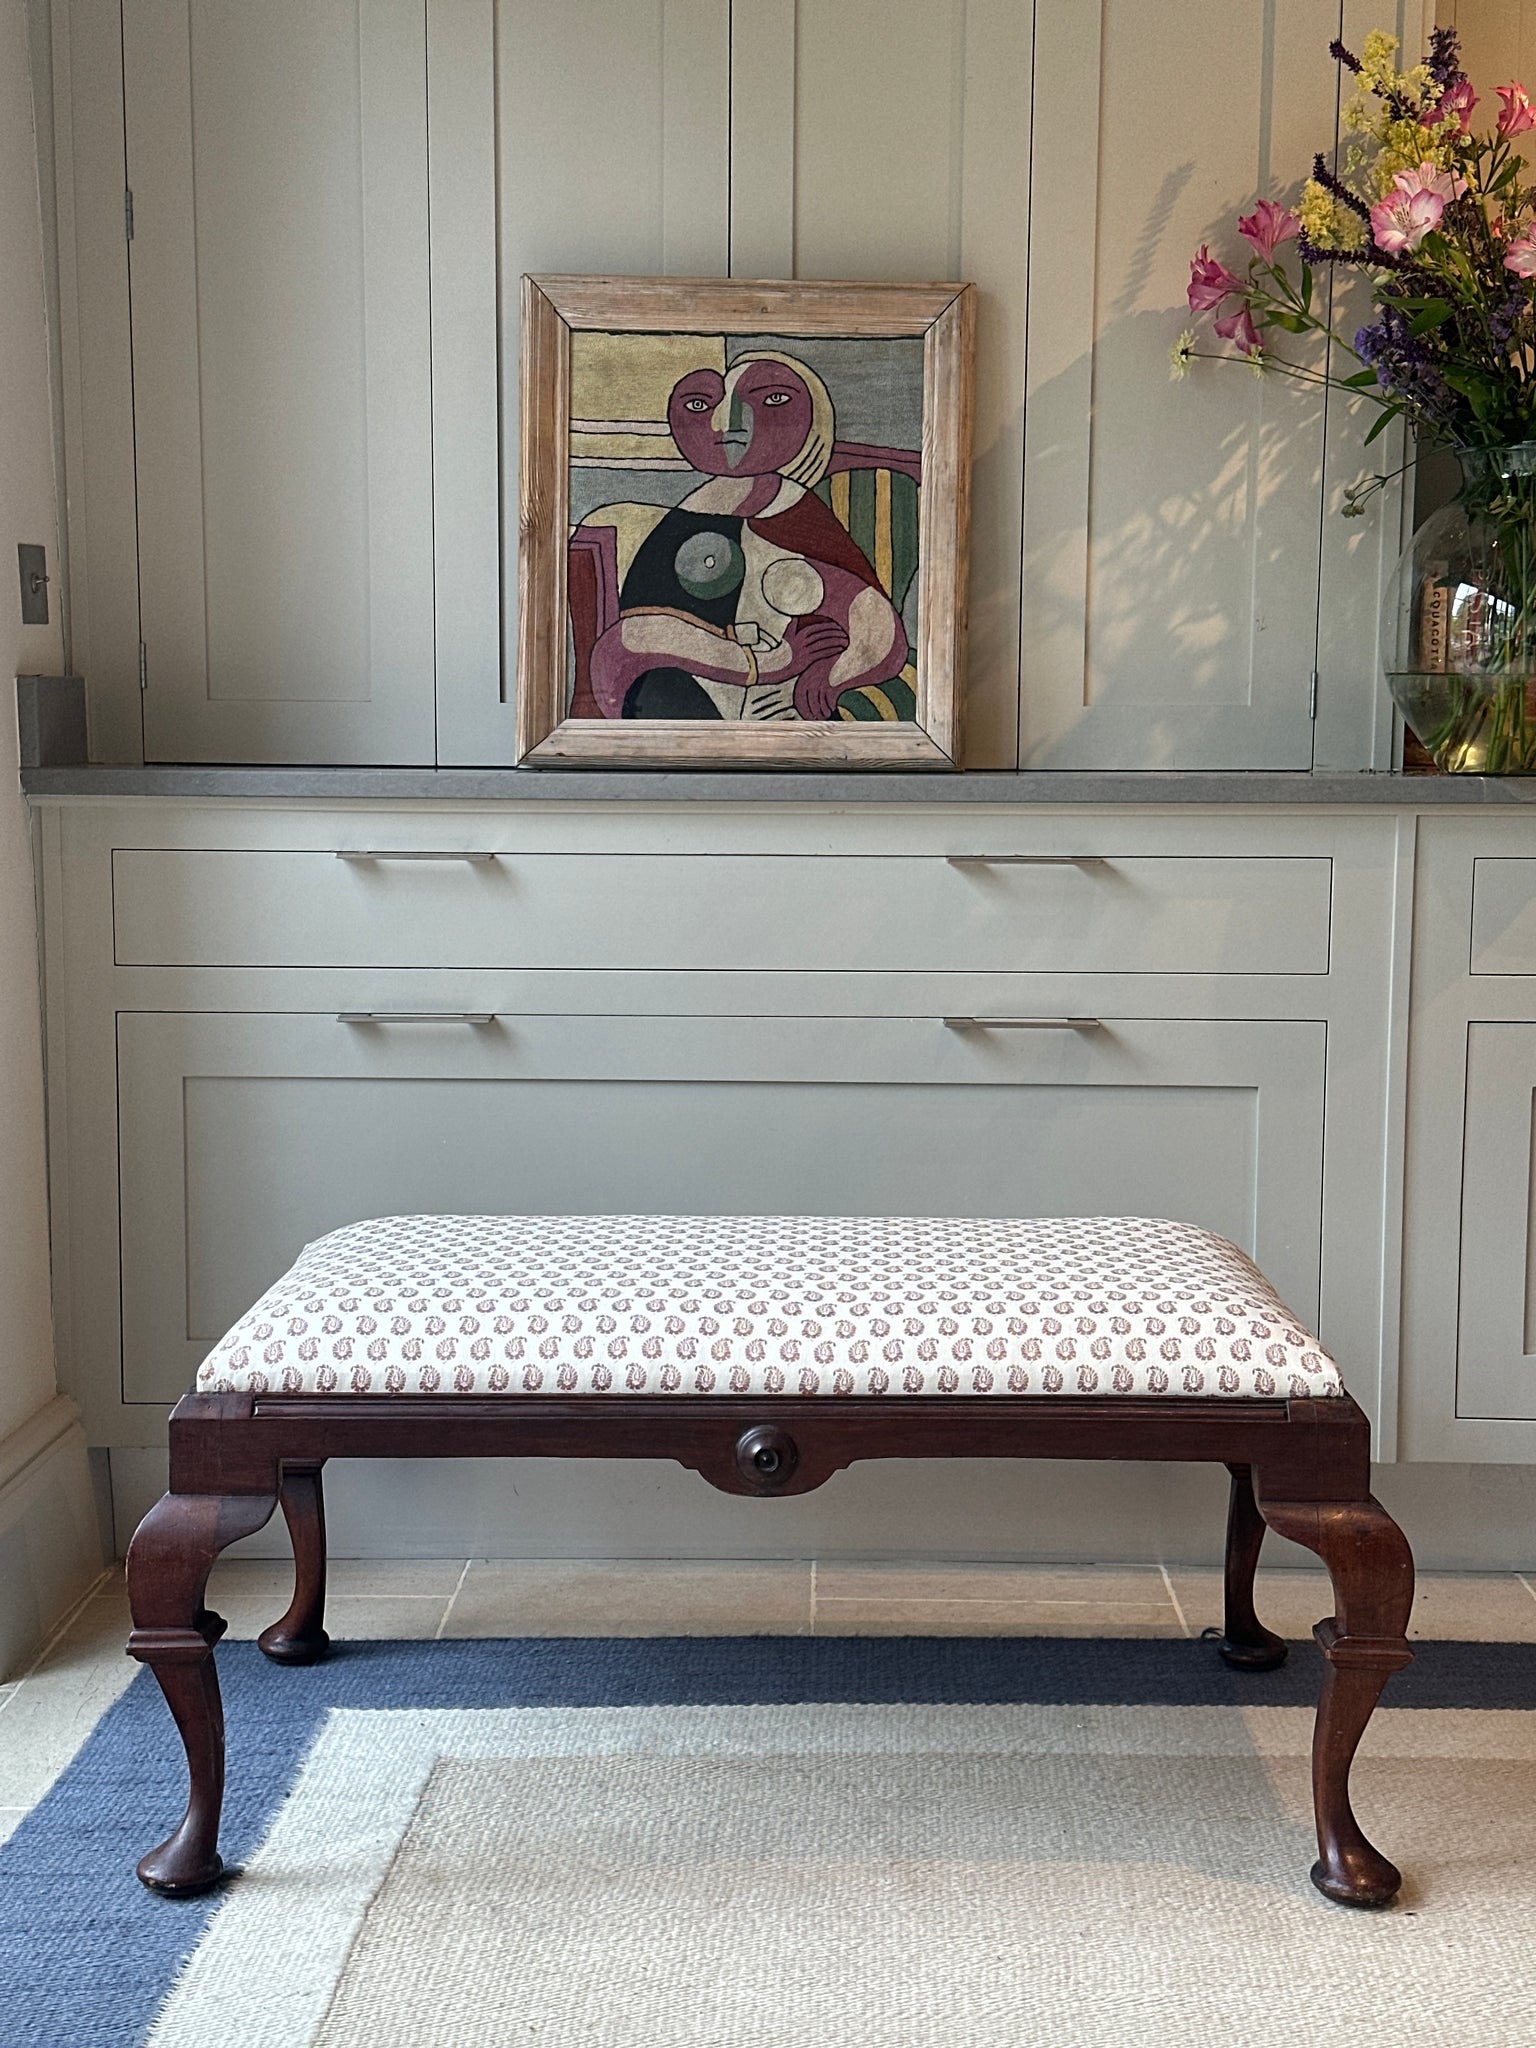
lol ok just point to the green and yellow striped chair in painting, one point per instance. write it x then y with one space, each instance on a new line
877 505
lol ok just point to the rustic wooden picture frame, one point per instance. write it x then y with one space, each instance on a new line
942 315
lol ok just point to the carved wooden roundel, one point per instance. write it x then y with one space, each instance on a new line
766 1457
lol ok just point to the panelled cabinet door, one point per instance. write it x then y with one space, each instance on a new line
566 135
277 158
892 141
1171 530
1496 1322
1469 1239
243 1136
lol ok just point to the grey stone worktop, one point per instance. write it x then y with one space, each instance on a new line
524 785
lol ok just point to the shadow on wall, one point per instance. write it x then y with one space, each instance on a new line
1174 528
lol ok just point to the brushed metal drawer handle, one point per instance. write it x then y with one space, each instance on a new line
416 1016
1026 860
1023 1024
404 853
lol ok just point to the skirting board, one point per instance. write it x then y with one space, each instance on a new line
50 1543
1458 1517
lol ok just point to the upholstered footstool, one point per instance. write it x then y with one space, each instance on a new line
766 1353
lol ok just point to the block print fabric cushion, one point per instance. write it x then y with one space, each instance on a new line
804 1305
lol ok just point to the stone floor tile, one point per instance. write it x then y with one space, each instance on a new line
664 1597
250 1578
370 1576
1490 1607
362 1617
367 1577
56 1705
1449 1607
1288 1601
837 1616
1117 1586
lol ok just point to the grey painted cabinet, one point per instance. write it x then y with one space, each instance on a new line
241 1136
290 404
297 382
846 913
1470 1241
1317 1033
1496 1276
674 1006
277 158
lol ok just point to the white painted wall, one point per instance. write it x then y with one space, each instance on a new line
27 513
1498 43
48 1542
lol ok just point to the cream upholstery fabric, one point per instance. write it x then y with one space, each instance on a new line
657 1305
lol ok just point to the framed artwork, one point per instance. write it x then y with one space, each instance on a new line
744 515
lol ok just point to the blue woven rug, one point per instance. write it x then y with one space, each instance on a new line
87 1956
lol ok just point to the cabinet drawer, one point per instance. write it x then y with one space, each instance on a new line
1503 916
243 1135
1127 913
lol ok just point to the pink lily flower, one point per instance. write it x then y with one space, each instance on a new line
1518 113
1238 327
1456 103
1446 185
1268 226
1412 209
1210 282
1402 220
1520 256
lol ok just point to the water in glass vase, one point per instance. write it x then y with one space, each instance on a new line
1460 624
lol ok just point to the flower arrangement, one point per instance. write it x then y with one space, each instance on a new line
1441 219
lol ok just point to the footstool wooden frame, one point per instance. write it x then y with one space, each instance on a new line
1298 1466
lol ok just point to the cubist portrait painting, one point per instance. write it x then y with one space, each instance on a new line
744 537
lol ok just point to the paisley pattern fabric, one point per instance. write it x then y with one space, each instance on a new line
799 1305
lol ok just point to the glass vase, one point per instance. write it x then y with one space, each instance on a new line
1460 624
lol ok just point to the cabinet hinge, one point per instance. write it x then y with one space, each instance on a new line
128 212
143 667
1312 698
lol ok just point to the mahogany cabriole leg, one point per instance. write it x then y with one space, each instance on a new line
1246 1644
1364 1641
300 1637
174 1634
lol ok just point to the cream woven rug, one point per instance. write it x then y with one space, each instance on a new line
873 1877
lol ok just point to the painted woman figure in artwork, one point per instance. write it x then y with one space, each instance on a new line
750 599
